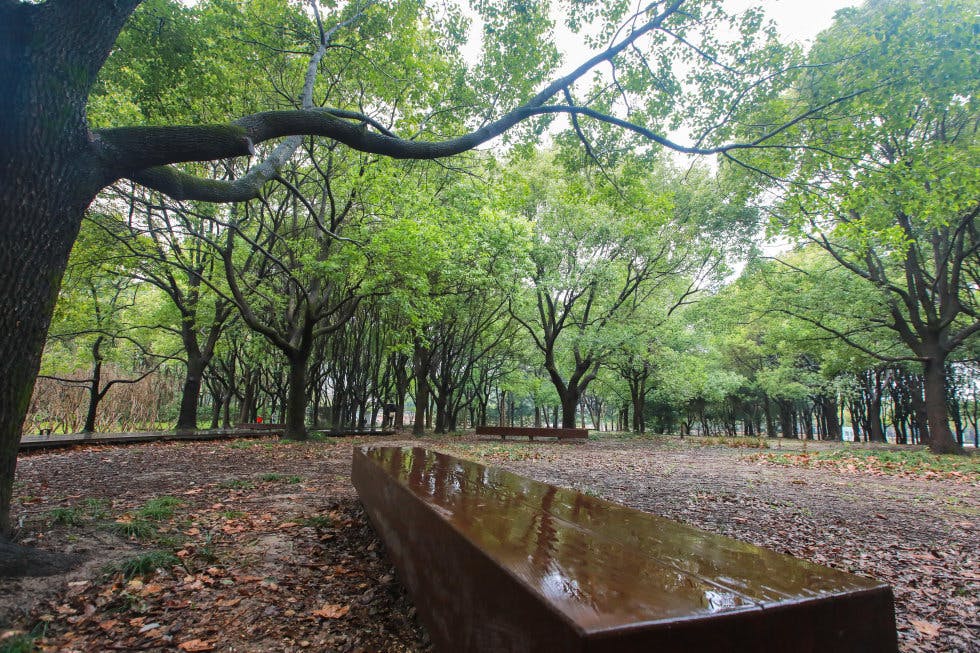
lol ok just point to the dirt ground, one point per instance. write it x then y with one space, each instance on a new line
262 545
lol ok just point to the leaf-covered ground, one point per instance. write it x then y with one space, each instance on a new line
257 546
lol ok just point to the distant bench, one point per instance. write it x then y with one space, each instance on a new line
497 562
262 426
535 432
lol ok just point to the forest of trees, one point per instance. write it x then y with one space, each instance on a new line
579 273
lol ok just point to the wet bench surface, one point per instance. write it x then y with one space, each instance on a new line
498 562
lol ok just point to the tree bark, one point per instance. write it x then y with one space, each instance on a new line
569 407
296 397
191 392
832 431
940 437
421 363
94 394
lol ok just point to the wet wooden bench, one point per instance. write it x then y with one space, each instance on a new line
533 432
497 562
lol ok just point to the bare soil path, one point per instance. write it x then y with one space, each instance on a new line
263 545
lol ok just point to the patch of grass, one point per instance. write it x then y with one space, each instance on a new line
231 514
322 438
503 451
617 435
242 444
18 643
236 484
65 516
275 477
317 521
909 462
147 563
737 442
136 529
97 508
160 508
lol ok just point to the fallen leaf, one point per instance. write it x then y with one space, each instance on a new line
248 579
194 645
332 611
927 628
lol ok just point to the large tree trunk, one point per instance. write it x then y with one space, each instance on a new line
940 436
296 397
876 431
30 271
190 396
569 406
32 201
828 405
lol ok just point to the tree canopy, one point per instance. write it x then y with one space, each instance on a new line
293 195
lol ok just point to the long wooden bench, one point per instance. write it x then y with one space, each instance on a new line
533 432
497 562
262 426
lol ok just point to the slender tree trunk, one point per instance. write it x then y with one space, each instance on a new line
421 362
770 421
216 403
93 389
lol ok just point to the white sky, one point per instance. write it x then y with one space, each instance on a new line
798 20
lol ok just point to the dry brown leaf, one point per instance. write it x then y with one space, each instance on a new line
195 645
927 628
248 579
332 611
